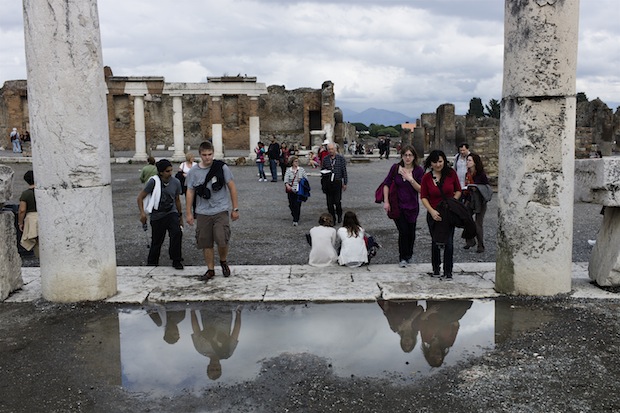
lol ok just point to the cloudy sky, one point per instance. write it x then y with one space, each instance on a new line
404 55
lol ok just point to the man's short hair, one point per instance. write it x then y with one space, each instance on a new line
205 146
465 144
29 177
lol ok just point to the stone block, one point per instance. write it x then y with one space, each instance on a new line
604 266
6 184
598 181
10 261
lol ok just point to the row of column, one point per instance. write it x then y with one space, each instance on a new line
138 91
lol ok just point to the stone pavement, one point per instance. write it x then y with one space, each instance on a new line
301 283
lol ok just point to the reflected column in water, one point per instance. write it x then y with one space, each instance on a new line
215 339
404 318
439 327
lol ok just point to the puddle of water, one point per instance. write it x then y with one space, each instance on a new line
168 351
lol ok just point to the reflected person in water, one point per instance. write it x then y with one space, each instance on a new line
215 339
404 318
439 327
171 327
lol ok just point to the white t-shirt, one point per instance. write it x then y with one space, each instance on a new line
353 252
323 252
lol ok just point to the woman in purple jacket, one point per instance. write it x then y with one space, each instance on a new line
406 175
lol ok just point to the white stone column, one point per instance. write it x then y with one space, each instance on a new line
537 147
71 156
177 129
138 116
216 127
254 126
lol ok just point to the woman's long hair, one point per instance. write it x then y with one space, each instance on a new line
351 223
434 157
479 167
404 150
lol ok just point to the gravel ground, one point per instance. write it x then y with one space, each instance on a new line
551 355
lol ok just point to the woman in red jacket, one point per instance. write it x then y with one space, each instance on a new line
440 182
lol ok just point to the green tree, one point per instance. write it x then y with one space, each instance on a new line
475 108
360 127
390 130
493 109
374 129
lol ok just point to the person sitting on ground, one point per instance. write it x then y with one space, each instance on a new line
353 252
28 217
313 160
323 240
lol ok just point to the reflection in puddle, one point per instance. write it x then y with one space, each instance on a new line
166 351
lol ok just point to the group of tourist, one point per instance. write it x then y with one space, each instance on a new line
277 154
466 182
211 202
17 140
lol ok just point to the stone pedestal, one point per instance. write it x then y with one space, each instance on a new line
537 145
10 261
71 158
598 181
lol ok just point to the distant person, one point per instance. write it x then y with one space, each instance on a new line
161 198
475 195
273 152
28 217
292 180
285 154
407 176
387 147
381 147
323 239
149 170
353 252
335 167
439 183
260 161
460 162
211 183
313 160
184 169
215 339
15 141
323 151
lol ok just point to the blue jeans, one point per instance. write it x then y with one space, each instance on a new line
261 170
273 166
17 146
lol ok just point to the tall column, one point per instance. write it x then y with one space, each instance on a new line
254 126
138 90
216 127
537 147
177 129
71 157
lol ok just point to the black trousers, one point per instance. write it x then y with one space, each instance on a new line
294 205
406 237
334 197
171 224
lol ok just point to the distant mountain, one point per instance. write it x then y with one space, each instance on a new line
378 116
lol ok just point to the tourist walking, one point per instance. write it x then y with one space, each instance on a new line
441 182
15 141
28 217
353 252
149 170
161 198
460 162
285 154
323 240
273 152
406 176
476 194
184 169
292 178
260 161
334 180
211 183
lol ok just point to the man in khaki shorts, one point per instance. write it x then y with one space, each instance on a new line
211 183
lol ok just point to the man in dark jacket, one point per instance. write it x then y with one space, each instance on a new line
273 152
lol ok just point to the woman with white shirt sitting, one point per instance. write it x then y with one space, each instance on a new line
353 252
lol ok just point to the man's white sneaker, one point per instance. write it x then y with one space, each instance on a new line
402 263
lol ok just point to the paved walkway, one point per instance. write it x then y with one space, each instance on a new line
301 283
